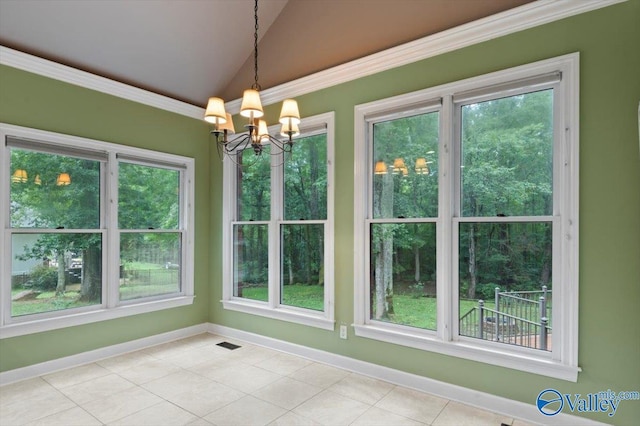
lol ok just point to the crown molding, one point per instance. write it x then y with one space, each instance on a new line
511 21
57 71
520 18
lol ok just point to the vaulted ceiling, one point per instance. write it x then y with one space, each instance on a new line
192 49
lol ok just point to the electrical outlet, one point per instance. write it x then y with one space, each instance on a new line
343 331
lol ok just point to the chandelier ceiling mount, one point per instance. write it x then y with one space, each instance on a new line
257 134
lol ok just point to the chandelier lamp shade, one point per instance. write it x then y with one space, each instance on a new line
399 167
256 135
19 176
421 166
63 179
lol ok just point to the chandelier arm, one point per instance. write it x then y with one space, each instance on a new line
237 144
283 146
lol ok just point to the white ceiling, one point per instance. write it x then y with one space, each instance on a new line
192 49
185 47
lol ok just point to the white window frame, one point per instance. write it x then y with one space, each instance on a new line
318 124
562 361
111 307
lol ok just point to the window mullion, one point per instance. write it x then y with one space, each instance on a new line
444 263
277 215
455 130
111 276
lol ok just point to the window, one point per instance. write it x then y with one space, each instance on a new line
91 231
466 219
279 229
404 212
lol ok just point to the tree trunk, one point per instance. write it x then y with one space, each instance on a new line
545 275
416 252
471 292
308 257
290 265
383 207
61 275
90 289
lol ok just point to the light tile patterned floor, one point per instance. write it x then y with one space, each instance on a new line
195 382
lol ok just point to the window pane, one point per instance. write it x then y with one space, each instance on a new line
403 274
507 155
305 179
302 269
149 197
251 261
149 264
51 272
254 185
405 155
54 191
516 259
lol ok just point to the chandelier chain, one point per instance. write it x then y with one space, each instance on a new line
256 85
257 134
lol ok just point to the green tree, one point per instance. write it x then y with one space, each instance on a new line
507 149
42 201
405 191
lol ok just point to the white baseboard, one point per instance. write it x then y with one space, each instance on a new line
482 400
48 367
485 401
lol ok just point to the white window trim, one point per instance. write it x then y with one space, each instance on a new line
562 362
273 309
110 308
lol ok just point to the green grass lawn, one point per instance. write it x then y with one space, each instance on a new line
410 310
46 302
414 311
301 296
135 291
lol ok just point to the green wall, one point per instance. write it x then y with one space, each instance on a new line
33 101
609 340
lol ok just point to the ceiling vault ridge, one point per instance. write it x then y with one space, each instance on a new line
510 21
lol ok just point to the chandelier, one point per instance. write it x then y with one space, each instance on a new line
400 168
257 134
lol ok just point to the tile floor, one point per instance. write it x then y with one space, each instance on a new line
195 382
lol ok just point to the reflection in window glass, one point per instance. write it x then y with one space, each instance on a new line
54 191
305 180
254 185
149 264
148 197
507 266
403 268
405 156
302 271
251 261
507 156
55 271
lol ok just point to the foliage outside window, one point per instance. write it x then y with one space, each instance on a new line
404 210
60 230
149 220
279 215
469 257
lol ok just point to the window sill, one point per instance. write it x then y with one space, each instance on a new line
46 324
304 317
489 354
